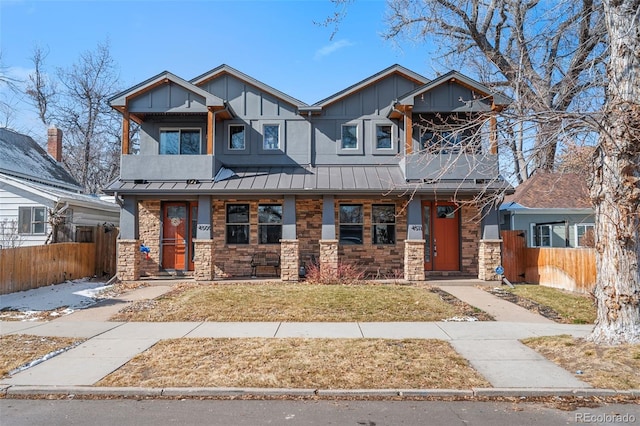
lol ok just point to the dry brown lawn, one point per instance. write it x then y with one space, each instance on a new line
573 308
297 302
20 349
299 363
609 367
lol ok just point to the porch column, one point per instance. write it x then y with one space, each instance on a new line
489 249
128 261
414 244
328 243
289 252
203 243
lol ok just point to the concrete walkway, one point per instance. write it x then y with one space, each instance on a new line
492 347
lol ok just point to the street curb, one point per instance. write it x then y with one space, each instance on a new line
204 392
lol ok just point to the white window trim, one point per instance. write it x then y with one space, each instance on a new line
179 130
575 233
32 221
533 235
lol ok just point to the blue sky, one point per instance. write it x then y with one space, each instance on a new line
275 42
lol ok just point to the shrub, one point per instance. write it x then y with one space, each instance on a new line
346 273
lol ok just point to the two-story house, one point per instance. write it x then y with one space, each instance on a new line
376 174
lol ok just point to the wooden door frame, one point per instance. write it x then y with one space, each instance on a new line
189 264
433 204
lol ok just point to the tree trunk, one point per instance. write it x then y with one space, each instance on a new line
616 186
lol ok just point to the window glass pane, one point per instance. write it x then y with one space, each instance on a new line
383 213
351 213
24 220
190 142
238 234
270 213
350 234
384 234
269 234
446 212
349 137
585 235
271 137
383 137
39 223
237 213
236 137
169 142
426 215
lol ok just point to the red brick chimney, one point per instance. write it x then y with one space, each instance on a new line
54 143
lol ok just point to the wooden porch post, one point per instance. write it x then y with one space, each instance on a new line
210 130
125 132
408 129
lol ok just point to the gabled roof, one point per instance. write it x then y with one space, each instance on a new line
498 99
60 195
394 69
226 69
120 99
22 157
546 190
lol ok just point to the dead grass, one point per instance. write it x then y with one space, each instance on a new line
296 302
20 349
572 308
609 367
298 363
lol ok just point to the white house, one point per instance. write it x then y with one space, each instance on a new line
34 185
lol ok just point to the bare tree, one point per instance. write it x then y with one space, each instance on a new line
615 188
548 59
7 105
9 235
81 109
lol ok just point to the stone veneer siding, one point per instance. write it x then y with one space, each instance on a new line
289 260
309 228
414 260
149 226
203 260
376 260
328 258
129 255
489 258
234 260
469 239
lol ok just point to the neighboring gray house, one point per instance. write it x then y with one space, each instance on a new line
553 209
34 184
229 167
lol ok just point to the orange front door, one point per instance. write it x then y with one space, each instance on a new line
441 225
175 236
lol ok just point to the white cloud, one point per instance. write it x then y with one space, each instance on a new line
331 48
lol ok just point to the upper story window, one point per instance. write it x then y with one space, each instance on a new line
349 139
384 135
270 137
31 220
238 224
442 142
383 223
180 141
237 137
269 223
351 224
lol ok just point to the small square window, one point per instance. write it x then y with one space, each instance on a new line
237 139
271 137
349 137
384 137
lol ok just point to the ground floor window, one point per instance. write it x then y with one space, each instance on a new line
585 235
238 224
351 224
383 223
269 223
31 220
542 236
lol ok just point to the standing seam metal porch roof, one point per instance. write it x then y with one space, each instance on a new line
292 179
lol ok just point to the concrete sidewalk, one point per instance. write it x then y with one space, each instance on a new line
492 348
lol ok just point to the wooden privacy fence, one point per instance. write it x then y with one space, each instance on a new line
571 269
24 268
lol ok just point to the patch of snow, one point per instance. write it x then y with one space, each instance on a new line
41 359
461 319
72 295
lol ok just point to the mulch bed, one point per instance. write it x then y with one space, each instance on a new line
528 304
